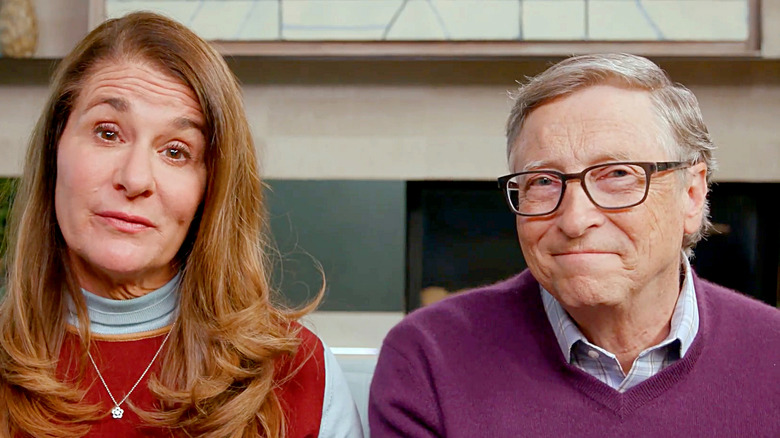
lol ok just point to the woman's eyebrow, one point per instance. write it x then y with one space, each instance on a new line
186 123
118 103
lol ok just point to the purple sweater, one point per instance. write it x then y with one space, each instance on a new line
486 364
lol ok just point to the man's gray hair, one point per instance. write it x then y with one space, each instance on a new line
678 111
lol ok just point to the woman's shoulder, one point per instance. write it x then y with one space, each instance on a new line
308 362
309 341
316 397
302 388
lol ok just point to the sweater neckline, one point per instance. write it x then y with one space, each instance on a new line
625 403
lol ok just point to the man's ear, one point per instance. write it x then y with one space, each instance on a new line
695 196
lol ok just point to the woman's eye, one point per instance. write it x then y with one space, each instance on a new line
107 133
175 153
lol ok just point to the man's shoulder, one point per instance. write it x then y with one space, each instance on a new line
469 304
730 301
736 311
470 311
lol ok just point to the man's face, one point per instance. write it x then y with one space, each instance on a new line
586 256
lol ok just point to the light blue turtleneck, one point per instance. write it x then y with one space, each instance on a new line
152 311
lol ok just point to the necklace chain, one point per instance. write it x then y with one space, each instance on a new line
117 411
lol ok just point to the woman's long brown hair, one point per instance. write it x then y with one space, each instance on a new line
218 374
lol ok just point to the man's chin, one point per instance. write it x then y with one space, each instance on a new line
588 290
586 265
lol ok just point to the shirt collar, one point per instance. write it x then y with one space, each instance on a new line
684 323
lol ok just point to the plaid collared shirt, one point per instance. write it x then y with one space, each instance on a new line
604 365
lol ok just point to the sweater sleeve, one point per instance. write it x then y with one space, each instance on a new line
402 401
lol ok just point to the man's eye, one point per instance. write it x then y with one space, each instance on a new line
544 181
541 181
617 173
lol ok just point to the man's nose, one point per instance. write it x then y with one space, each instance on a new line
577 212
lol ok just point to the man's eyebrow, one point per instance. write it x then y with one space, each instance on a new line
538 164
602 158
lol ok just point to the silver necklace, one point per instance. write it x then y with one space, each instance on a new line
116 411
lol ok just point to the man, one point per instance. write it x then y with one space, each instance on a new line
609 332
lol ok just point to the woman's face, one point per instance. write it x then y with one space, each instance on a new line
130 177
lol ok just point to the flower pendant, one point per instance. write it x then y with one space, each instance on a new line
117 412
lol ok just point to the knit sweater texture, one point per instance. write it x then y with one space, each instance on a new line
486 364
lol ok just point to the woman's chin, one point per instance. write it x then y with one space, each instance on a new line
125 268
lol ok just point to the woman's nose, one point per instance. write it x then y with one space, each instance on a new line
134 171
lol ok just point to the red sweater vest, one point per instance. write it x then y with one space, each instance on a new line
122 359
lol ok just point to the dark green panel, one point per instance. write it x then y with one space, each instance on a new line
355 229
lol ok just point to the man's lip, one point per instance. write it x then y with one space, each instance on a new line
581 252
140 220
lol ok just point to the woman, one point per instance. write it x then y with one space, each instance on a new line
137 298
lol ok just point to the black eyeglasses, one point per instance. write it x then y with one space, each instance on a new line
610 186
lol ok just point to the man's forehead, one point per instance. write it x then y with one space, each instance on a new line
597 101
595 124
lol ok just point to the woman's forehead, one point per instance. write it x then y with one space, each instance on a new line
120 84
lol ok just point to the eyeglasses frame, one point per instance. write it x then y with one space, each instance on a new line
649 167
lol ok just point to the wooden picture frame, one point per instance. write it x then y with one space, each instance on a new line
488 49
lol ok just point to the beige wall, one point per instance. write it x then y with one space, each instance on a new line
410 119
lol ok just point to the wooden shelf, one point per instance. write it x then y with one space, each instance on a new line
482 49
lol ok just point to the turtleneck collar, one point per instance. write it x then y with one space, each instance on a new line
155 310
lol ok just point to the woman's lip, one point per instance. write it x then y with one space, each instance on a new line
127 218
